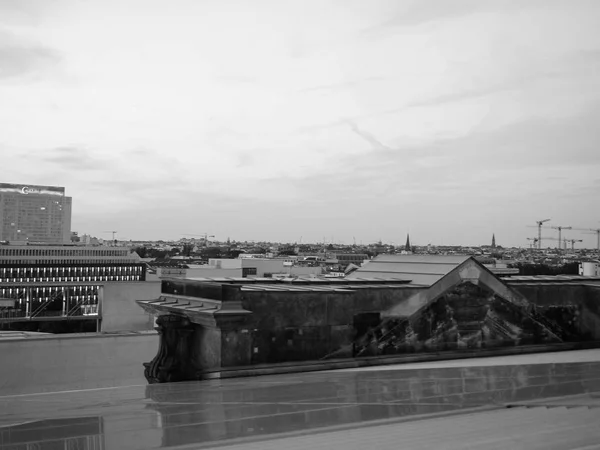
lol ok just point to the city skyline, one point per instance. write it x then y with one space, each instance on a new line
451 121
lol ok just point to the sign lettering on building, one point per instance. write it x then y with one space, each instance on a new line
32 189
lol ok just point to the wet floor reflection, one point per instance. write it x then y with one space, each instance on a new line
193 413
77 433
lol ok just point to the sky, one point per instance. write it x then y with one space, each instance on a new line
307 120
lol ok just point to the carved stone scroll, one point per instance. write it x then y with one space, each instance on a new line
173 361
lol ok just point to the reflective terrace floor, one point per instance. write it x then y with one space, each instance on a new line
529 401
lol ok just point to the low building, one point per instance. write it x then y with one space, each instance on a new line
422 269
197 271
589 268
345 259
265 267
45 283
238 268
417 304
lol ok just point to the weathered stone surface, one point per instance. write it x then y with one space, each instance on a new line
173 361
469 308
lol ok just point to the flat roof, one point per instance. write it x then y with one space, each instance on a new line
548 278
319 288
283 282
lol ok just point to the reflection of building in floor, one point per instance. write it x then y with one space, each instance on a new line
45 283
541 401
433 304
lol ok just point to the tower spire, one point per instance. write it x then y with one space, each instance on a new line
407 245
493 241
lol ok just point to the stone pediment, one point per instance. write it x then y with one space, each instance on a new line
467 308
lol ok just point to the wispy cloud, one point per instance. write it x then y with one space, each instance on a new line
343 84
20 57
467 113
26 11
511 154
73 158
375 143
419 12
245 160
237 79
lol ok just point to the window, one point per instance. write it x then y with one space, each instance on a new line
246 271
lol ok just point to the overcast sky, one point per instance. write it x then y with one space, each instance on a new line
281 120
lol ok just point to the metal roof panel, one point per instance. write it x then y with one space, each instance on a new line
420 269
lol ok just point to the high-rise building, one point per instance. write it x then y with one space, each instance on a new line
35 214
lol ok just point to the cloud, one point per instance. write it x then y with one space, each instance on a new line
515 155
245 159
375 143
419 12
343 85
73 158
493 179
20 57
237 79
22 11
567 70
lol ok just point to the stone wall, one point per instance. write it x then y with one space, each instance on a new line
575 308
70 362
469 308
119 309
300 326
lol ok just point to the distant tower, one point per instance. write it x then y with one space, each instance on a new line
493 241
407 246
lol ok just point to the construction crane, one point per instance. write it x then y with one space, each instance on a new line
572 241
205 236
533 242
539 227
547 238
596 231
114 233
560 228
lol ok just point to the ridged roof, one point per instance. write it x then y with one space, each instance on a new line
422 270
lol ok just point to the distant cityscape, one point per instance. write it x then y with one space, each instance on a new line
41 215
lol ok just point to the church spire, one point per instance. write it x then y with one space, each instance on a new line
407 246
493 241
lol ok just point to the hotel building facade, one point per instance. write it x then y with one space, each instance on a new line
34 214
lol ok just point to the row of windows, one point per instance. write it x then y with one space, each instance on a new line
66 273
61 252
49 262
353 257
80 279
72 292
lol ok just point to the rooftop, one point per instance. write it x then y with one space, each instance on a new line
421 270
527 401
550 279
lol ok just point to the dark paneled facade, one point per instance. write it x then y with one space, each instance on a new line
469 308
